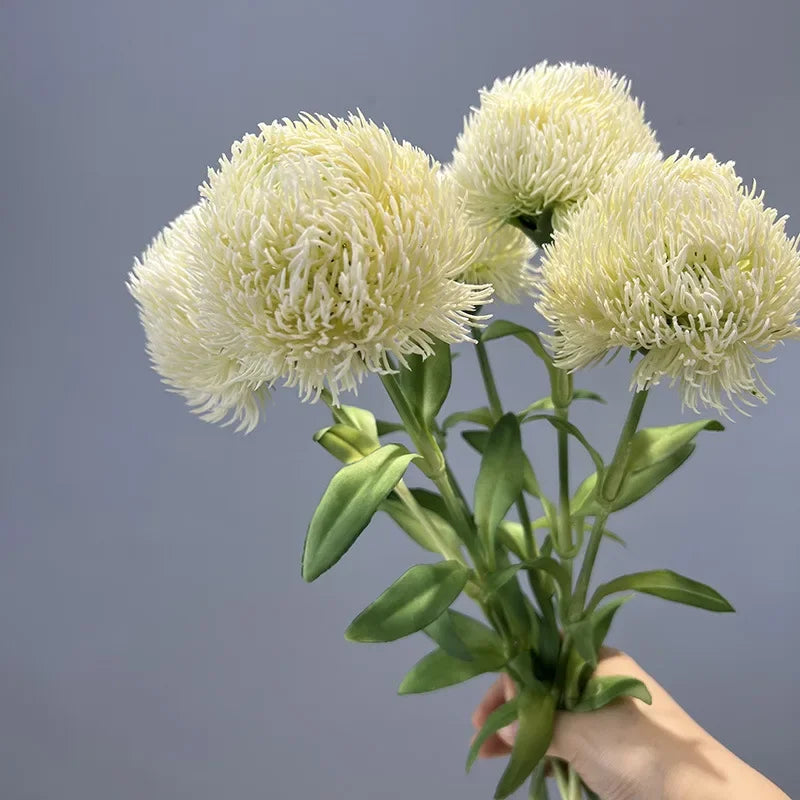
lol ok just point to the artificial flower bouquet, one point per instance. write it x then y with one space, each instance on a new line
322 250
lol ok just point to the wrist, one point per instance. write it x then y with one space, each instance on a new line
712 772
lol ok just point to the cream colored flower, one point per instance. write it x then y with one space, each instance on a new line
166 284
543 138
675 260
501 256
324 247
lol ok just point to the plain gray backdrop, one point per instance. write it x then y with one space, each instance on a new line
156 640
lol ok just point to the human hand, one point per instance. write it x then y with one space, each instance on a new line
633 751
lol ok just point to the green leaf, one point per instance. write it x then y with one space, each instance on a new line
346 443
497 580
603 617
358 418
536 713
634 485
549 565
583 636
432 501
438 669
590 632
383 427
499 481
501 328
478 440
655 454
411 603
426 381
482 641
444 633
546 403
600 691
348 504
668 585
651 445
500 718
478 416
573 430
426 532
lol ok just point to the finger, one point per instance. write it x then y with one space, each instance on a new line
494 747
493 698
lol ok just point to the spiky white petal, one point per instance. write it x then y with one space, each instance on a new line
674 259
544 138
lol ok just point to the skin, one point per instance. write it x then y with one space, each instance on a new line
631 751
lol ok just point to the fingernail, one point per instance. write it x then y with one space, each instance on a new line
509 733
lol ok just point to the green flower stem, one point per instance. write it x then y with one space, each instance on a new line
564 523
607 492
495 405
560 774
531 548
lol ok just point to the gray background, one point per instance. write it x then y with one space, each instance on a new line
156 640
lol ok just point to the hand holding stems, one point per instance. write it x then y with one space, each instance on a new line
539 660
630 750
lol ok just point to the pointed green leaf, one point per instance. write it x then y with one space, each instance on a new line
481 641
478 416
497 580
501 328
358 418
432 501
426 528
426 381
499 481
346 443
546 403
600 691
590 632
536 714
583 637
437 670
634 486
573 430
639 483
668 585
478 440
348 504
500 718
603 617
614 537
383 427
655 454
549 565
651 445
444 633
411 603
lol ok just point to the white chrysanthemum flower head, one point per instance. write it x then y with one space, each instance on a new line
324 247
166 284
545 137
674 259
501 256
